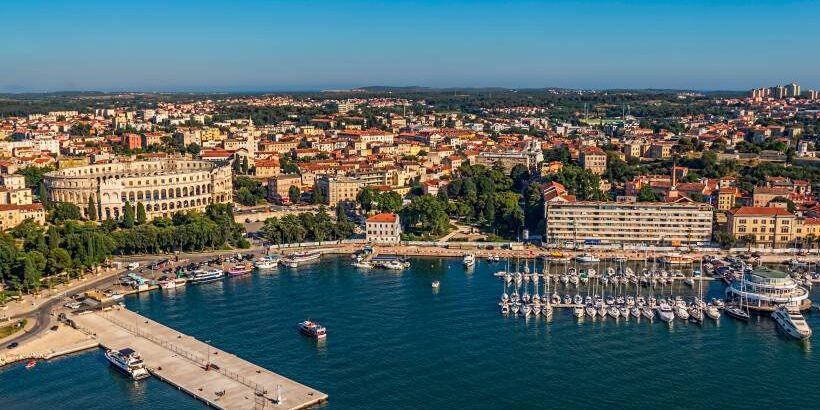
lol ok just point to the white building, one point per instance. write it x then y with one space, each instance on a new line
383 228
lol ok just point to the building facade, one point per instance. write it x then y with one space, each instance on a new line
593 159
383 228
619 222
338 189
162 186
771 227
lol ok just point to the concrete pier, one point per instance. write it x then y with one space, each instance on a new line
216 377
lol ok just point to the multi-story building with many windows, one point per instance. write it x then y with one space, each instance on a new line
628 222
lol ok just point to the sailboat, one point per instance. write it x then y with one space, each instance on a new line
696 311
737 311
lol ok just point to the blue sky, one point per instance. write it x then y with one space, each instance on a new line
246 45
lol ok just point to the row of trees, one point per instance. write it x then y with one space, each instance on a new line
308 226
73 247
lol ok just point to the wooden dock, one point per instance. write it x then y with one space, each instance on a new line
217 378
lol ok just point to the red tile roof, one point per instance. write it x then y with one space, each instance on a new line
761 211
383 217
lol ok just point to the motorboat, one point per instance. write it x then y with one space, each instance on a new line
590 310
173 283
696 314
546 310
567 299
468 260
665 312
240 269
129 362
713 312
578 300
293 260
635 311
436 285
312 329
792 322
362 265
614 312
266 263
587 258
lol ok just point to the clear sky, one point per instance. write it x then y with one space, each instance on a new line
246 45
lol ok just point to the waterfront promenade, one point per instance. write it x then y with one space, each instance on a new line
218 378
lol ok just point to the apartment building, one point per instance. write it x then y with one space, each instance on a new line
593 159
772 227
623 222
279 186
338 189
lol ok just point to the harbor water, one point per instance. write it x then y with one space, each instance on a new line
395 343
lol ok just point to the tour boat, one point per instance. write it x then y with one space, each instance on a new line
129 362
31 363
587 258
266 263
436 284
312 329
468 260
240 269
293 260
792 322
205 276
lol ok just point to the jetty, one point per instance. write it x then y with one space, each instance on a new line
217 378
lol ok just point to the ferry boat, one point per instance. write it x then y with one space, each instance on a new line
129 362
792 322
587 258
468 260
765 289
675 258
294 259
266 263
240 269
206 276
312 329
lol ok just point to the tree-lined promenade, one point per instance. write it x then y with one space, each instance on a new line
33 256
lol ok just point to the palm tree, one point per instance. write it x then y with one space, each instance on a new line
750 240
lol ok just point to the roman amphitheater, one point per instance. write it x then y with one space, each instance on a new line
162 186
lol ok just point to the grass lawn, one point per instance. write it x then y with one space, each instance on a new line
12 329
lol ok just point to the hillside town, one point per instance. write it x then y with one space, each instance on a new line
732 171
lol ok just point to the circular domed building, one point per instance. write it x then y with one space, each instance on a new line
162 186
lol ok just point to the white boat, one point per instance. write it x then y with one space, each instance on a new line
578 299
674 258
206 276
266 263
624 311
696 314
393 265
526 310
591 311
293 260
635 311
665 312
689 281
173 283
713 312
129 362
362 265
436 284
546 310
468 260
587 258
614 312
578 311
792 322
647 312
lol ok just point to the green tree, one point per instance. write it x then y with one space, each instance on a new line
294 194
141 217
390 201
365 198
91 209
426 214
63 211
128 218
316 196
645 194
519 174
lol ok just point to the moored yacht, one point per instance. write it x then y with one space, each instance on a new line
206 276
587 258
792 322
129 362
266 263
665 312
293 260
468 260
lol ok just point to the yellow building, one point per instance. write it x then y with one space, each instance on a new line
771 227
13 215
726 198
338 189
593 159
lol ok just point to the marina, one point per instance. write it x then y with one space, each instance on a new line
366 366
